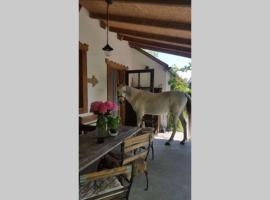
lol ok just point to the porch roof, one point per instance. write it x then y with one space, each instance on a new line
159 25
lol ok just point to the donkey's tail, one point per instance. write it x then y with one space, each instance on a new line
188 109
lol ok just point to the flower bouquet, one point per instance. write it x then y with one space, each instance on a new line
103 111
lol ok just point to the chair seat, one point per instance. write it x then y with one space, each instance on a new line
92 189
140 165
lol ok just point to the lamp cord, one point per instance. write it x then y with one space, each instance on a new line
107 22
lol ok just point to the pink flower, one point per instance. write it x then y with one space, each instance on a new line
103 108
115 106
98 107
95 106
111 106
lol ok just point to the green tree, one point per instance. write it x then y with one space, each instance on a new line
186 68
178 83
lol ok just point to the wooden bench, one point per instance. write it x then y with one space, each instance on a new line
87 123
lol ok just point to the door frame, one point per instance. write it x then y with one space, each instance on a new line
83 48
121 69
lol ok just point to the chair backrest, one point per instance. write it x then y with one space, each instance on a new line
136 148
109 186
123 170
149 130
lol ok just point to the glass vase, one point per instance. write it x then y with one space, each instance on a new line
102 129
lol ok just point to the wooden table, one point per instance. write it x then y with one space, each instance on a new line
90 151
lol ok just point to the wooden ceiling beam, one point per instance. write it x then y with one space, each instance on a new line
148 35
158 2
169 51
165 65
154 44
143 21
121 36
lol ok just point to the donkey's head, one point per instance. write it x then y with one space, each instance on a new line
121 93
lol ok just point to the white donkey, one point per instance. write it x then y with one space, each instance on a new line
144 102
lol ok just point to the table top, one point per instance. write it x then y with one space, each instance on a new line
90 151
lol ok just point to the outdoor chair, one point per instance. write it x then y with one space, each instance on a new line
152 131
135 151
107 184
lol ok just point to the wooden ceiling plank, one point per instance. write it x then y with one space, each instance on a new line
154 40
158 2
154 36
144 21
151 29
169 51
161 48
157 44
150 35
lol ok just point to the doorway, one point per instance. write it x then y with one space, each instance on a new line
115 77
141 79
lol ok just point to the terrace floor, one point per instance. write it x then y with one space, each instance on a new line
169 172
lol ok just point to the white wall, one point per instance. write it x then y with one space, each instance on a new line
160 74
92 34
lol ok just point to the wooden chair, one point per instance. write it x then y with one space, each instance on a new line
107 184
152 132
135 151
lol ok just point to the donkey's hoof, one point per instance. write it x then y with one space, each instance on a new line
167 143
183 142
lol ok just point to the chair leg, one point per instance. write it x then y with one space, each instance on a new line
100 165
152 148
146 176
129 188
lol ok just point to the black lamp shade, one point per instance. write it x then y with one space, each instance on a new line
107 48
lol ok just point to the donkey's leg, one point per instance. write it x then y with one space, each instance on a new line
175 120
184 124
172 136
139 118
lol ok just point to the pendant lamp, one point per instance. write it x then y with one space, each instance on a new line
108 49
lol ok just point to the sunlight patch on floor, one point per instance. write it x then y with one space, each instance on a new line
165 136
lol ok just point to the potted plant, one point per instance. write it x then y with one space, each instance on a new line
113 124
103 111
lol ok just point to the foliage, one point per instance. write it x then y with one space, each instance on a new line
171 123
113 122
186 68
102 121
178 83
